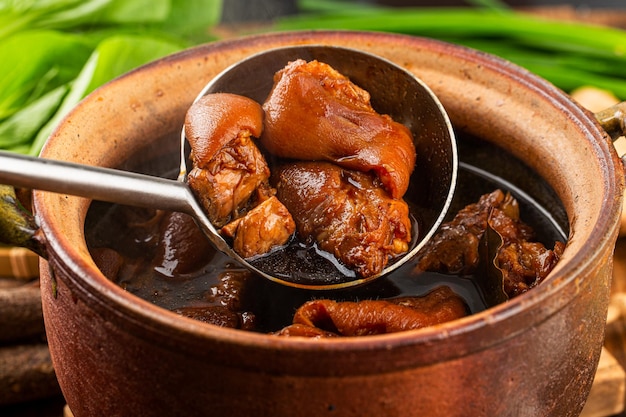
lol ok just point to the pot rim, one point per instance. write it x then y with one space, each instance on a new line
88 280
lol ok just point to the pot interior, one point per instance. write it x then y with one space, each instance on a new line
485 167
485 97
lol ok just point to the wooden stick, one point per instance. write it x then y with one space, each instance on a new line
26 374
21 315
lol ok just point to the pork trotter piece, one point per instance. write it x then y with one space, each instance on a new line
230 303
454 248
371 317
346 213
230 176
216 119
228 168
315 113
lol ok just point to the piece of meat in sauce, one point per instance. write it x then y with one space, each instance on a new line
183 248
259 230
347 213
230 175
230 302
455 247
228 168
328 318
315 113
137 233
171 241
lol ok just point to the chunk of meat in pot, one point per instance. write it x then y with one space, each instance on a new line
219 316
305 330
315 113
231 302
371 317
214 120
347 213
455 247
182 248
525 264
233 182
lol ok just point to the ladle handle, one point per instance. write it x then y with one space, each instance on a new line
105 184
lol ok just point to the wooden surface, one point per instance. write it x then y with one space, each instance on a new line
608 390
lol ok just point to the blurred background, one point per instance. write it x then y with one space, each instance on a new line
514 3
246 10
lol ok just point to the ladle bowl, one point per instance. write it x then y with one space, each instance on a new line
393 90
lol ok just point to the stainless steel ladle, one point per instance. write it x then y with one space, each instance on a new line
393 90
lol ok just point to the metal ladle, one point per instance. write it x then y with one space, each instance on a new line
393 91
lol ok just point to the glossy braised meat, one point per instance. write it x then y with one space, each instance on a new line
228 168
141 234
230 175
525 264
324 317
215 120
232 182
231 303
218 316
182 247
347 213
259 230
315 113
455 247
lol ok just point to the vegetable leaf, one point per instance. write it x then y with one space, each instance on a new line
51 56
21 128
67 14
191 19
113 57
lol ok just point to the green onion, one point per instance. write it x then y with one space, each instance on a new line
535 32
569 54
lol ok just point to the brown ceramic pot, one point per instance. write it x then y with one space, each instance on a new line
536 355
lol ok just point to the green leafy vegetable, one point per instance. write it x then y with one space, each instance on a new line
35 62
16 15
54 52
17 131
569 54
113 57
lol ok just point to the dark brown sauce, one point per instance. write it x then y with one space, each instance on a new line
483 169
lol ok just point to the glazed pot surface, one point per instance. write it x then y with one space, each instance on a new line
535 355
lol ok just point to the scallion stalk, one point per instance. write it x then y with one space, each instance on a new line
569 54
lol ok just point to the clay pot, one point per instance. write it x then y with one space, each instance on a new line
536 355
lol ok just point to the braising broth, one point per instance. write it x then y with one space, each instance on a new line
152 266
